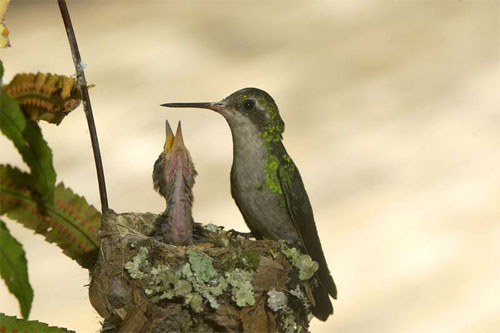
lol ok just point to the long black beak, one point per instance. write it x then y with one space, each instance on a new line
217 106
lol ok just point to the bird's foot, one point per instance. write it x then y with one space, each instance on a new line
246 235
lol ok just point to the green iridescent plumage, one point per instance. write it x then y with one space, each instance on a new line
271 128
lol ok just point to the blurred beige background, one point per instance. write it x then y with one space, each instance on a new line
392 115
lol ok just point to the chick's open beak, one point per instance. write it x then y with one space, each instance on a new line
169 138
173 142
178 143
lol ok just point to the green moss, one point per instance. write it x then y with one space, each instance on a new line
201 265
306 266
186 271
205 280
195 280
228 263
168 283
251 258
212 227
195 302
201 280
164 281
289 324
138 263
242 289
183 288
218 287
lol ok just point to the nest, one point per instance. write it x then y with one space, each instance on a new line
222 283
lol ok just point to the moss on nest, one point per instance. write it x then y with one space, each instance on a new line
223 282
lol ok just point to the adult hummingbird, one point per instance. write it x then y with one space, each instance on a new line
265 183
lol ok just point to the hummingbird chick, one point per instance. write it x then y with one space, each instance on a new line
173 178
266 185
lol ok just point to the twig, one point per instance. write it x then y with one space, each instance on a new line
82 83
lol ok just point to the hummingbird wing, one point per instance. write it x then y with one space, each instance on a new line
300 211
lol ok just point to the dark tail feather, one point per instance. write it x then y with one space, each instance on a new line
324 276
323 308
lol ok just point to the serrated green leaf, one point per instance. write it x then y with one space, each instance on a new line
27 138
14 269
13 324
71 223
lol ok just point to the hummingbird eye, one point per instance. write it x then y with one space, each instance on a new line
249 104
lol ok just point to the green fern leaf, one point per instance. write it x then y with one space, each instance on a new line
71 223
13 324
27 137
14 269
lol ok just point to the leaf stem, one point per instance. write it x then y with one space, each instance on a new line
82 83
